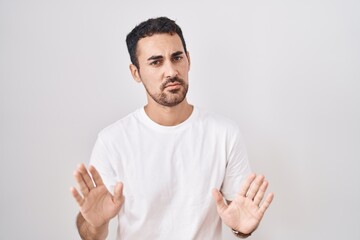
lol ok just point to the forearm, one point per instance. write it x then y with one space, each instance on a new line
88 232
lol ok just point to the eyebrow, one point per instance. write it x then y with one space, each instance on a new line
157 57
176 53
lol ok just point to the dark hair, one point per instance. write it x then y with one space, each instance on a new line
148 28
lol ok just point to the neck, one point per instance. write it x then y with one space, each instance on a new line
169 116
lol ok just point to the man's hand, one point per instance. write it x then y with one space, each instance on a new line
245 212
97 205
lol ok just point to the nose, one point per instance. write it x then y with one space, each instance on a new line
170 70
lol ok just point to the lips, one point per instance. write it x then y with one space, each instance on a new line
173 84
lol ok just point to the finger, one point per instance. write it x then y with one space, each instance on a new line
254 187
79 199
118 193
83 187
246 184
266 203
86 176
260 194
219 200
96 176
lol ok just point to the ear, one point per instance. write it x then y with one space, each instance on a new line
188 57
135 73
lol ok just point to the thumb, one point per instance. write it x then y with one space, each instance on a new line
219 200
118 193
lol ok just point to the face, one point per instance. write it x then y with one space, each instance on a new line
163 68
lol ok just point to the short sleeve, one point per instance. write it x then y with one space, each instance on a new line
101 160
237 168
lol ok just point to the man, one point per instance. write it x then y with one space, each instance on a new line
163 161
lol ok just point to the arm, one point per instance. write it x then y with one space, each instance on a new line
246 211
97 205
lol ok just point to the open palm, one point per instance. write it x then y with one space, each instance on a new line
245 212
97 204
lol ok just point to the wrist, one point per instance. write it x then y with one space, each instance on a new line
90 232
98 233
240 234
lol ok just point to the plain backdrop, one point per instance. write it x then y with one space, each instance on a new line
287 71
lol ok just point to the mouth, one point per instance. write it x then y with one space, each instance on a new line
173 85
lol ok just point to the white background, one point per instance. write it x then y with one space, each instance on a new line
287 71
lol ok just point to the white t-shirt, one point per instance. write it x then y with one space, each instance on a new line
169 172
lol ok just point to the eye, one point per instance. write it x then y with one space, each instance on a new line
177 58
155 63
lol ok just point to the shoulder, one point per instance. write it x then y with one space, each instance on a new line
217 121
117 128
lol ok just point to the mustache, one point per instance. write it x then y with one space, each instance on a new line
172 80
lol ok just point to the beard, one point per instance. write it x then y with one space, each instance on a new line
170 98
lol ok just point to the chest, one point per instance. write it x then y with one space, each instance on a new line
169 167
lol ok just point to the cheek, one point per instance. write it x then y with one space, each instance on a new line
152 74
146 74
184 68
151 80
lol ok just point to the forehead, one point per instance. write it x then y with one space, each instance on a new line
159 44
